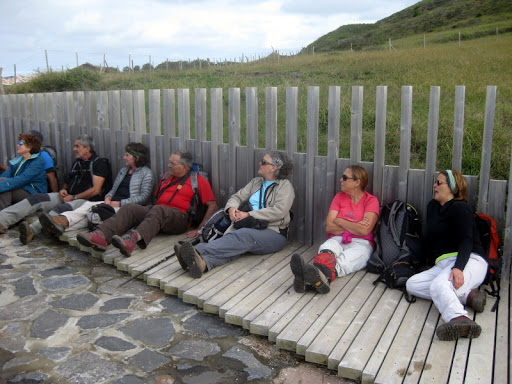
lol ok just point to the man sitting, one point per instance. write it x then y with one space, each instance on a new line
89 179
135 224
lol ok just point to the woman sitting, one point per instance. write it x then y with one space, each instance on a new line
350 223
25 175
453 244
262 230
134 184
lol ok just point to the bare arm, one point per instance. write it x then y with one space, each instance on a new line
212 207
337 225
52 181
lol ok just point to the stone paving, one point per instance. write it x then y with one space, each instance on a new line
63 319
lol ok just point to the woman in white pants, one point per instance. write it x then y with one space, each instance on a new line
452 243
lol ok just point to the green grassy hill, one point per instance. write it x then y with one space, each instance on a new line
474 18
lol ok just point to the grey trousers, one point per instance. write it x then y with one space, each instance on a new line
36 202
12 197
234 244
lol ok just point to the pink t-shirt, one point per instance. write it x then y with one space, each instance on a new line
353 212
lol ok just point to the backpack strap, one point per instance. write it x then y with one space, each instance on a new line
391 222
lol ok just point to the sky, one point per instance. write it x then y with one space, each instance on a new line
64 32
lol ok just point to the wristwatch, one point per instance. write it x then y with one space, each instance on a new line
74 197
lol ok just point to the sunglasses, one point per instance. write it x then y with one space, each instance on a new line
264 162
345 178
21 143
439 182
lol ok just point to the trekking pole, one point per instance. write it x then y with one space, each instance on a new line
193 241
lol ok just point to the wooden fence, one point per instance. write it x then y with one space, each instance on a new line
163 123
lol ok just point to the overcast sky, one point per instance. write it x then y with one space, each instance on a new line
168 29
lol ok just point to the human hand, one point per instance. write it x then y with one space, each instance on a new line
240 215
62 194
193 233
67 198
365 222
457 276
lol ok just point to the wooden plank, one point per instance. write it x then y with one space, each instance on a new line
485 165
502 344
427 359
271 118
380 142
353 361
479 368
222 301
312 151
356 124
458 127
405 141
379 353
291 119
318 312
354 310
399 355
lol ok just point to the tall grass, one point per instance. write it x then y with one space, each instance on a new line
475 64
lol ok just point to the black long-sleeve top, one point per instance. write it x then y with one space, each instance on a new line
451 228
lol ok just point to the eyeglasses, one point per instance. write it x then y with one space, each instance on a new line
171 164
439 182
345 178
265 162
21 143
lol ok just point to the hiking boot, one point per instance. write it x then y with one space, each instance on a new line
2 229
125 243
297 267
95 239
177 252
461 326
26 233
195 263
56 225
314 277
476 300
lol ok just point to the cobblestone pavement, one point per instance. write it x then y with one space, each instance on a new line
63 319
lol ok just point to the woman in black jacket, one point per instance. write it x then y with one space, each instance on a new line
453 245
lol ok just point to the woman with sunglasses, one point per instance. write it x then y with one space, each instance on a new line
25 175
260 230
350 223
452 245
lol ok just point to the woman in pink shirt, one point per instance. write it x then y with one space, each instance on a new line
349 225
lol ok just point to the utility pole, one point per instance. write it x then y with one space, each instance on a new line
46 55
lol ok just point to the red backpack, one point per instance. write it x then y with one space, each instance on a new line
491 244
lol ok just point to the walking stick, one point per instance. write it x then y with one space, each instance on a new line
193 241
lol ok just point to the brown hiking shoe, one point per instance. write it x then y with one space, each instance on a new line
194 261
2 229
26 233
461 326
297 266
314 277
177 252
476 300
56 225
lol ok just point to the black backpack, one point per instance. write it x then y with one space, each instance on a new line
398 246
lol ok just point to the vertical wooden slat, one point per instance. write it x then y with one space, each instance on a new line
405 142
127 114
183 116
380 141
458 127
79 108
333 141
356 125
433 129
91 118
217 131
292 116
155 129
271 118
139 113
251 106
4 118
199 123
485 165
312 151
114 122
234 136
169 119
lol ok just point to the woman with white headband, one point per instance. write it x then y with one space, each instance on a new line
452 243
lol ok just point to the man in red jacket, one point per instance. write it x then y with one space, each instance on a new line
136 225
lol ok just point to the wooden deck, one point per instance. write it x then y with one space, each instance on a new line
364 332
